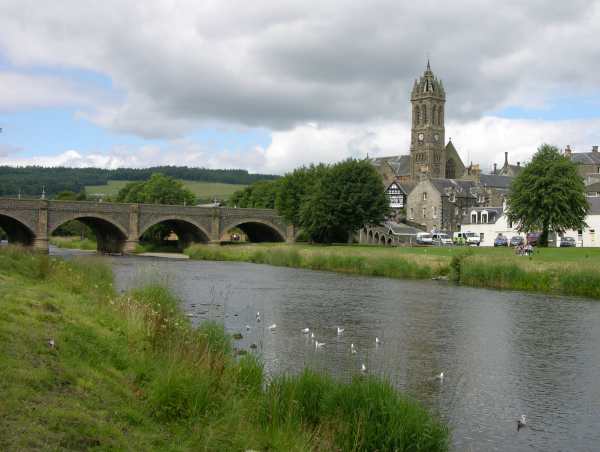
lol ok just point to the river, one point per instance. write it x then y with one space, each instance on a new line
503 354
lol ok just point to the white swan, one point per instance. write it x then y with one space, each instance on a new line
377 341
272 327
521 422
363 368
319 344
353 349
340 330
305 330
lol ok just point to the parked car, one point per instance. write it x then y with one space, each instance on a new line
424 238
533 238
467 238
566 242
516 240
441 239
501 241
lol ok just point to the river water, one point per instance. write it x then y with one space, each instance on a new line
503 354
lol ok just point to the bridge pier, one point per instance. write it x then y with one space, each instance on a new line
40 242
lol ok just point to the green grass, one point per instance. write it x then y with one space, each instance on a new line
128 372
73 243
566 271
203 190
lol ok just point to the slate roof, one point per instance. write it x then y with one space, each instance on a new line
401 228
495 181
594 205
400 164
497 211
460 187
586 158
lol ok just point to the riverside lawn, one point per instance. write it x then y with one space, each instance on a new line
83 368
565 271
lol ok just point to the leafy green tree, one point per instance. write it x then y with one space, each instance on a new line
294 188
346 196
260 195
159 189
548 195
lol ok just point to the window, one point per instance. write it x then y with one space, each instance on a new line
434 210
424 196
456 211
481 235
473 217
598 169
412 213
424 212
452 197
484 217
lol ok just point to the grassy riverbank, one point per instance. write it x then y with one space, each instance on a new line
73 243
82 368
566 271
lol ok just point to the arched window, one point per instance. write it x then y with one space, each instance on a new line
484 216
424 115
473 217
434 115
440 116
416 116
450 169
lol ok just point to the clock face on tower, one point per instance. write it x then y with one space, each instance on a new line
421 136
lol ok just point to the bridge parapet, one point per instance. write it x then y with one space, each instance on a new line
119 226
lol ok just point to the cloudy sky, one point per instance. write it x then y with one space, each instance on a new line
270 85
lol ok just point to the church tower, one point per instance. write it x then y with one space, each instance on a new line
427 152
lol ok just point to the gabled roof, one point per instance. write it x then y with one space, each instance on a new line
586 158
494 213
400 164
495 181
460 187
401 228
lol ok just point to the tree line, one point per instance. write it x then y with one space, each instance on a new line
30 180
327 202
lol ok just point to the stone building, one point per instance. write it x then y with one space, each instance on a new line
588 163
508 169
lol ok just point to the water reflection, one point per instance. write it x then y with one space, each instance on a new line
503 354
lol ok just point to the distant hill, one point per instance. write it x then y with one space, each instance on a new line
29 180
204 191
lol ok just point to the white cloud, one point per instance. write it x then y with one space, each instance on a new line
482 141
282 64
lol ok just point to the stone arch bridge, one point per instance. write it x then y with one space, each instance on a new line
119 227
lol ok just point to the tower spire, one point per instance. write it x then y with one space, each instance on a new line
428 65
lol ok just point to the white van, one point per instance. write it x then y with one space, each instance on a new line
469 238
441 239
424 238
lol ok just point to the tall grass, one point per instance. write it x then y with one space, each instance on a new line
468 267
129 372
391 267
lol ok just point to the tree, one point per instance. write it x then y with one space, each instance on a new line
548 195
345 197
159 189
260 195
294 188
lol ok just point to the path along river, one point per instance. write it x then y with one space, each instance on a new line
503 354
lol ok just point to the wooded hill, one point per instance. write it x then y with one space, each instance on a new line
29 180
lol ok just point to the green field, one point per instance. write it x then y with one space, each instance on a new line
202 190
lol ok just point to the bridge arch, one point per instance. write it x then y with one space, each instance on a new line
188 231
16 231
110 236
256 230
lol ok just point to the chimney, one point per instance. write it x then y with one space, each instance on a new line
594 148
518 163
568 151
495 168
506 160
475 172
